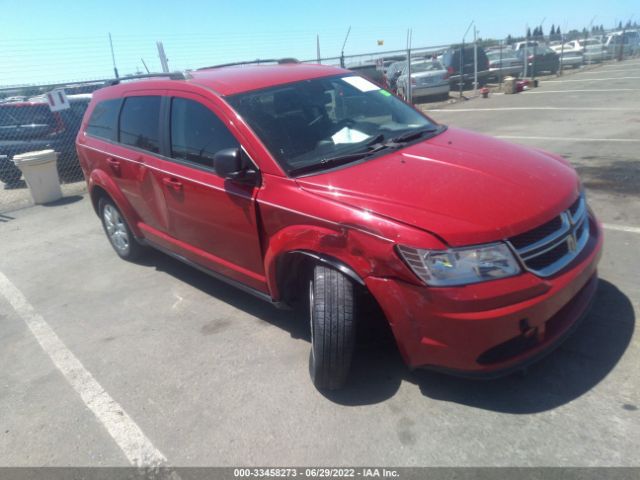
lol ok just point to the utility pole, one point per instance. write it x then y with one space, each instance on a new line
343 45
318 47
113 57
163 58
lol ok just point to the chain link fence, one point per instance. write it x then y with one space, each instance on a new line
434 73
28 124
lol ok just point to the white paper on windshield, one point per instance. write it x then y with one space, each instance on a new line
361 84
347 135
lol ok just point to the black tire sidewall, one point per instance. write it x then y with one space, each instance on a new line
332 322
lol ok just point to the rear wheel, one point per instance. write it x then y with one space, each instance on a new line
117 230
332 322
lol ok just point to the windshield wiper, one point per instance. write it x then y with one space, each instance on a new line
412 135
331 162
343 159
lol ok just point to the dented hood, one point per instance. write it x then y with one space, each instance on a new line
464 187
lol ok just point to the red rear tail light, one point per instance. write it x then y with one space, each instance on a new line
450 71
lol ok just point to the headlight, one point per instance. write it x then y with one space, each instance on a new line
459 266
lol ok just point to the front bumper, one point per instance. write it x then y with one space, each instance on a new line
490 328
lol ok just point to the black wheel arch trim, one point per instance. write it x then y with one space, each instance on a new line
332 262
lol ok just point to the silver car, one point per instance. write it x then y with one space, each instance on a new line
504 63
428 78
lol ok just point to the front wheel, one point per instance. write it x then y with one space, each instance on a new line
332 322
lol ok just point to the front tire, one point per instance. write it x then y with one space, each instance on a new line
332 322
118 232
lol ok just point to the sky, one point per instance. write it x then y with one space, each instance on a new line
55 41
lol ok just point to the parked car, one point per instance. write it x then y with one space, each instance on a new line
621 45
30 125
571 59
428 79
591 49
451 60
540 59
503 63
392 74
308 185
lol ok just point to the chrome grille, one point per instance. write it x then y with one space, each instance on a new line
547 249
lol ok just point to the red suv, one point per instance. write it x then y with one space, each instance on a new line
309 184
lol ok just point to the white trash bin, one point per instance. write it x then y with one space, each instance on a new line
41 174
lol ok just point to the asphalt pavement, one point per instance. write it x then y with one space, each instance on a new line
106 362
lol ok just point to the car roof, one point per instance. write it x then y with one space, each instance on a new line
230 80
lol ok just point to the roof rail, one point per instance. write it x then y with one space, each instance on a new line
170 75
257 61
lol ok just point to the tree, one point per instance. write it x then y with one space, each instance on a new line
509 40
620 25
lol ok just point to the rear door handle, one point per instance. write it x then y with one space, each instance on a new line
172 183
114 164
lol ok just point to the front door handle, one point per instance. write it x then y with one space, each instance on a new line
172 183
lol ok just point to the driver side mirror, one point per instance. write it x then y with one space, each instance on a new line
229 164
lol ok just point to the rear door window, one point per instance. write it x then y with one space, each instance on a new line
104 118
139 123
197 133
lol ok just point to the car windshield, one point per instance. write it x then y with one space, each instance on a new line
308 124
428 66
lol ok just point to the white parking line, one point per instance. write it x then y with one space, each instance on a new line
125 432
498 109
572 139
621 228
594 72
591 79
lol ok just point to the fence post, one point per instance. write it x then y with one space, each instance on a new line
500 65
475 61
461 72
561 53
409 86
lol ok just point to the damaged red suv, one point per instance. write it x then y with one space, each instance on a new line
307 183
